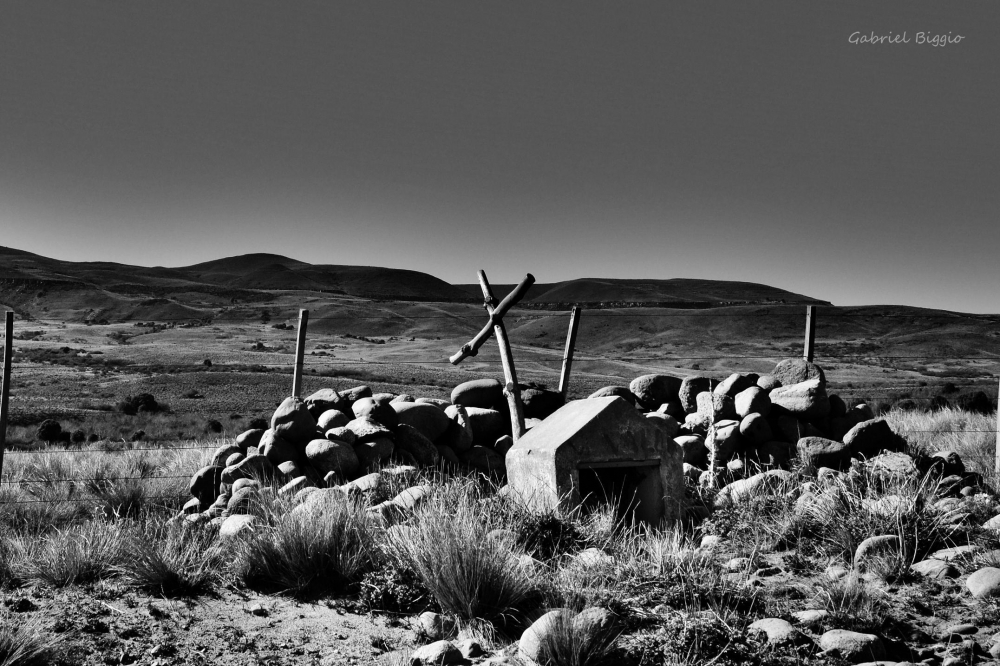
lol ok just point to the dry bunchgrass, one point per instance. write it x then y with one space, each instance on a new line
173 559
469 575
76 555
23 642
305 553
971 435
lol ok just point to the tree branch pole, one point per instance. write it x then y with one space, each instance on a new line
496 314
567 364
511 390
300 351
8 364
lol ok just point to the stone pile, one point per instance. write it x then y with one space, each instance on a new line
339 439
749 421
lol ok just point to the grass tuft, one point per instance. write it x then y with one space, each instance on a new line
22 642
173 560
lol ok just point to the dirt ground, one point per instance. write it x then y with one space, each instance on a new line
105 625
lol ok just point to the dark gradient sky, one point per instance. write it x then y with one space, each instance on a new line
727 140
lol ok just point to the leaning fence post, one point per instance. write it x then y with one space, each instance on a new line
574 324
807 352
300 350
8 362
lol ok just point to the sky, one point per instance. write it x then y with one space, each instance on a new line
726 140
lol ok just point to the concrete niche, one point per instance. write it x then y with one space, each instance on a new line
596 449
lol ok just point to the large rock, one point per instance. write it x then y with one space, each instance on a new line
223 453
324 400
252 467
796 370
382 412
205 484
332 456
535 638
277 449
366 429
488 425
668 423
249 438
438 653
484 393
332 418
695 451
876 546
352 395
724 441
753 400
755 429
410 439
689 390
984 583
543 467
736 383
778 631
458 436
651 391
293 422
775 452
852 646
485 460
870 438
714 407
429 420
806 400
541 403
818 452
374 453
774 482
236 524
893 467
613 391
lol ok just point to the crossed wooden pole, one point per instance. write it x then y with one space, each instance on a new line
495 326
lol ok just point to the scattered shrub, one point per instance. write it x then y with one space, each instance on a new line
394 590
976 402
144 402
49 431
545 536
214 425
78 436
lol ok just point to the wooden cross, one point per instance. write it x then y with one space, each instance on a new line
495 326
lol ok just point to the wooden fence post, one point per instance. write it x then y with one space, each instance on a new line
997 455
807 352
8 362
300 350
567 364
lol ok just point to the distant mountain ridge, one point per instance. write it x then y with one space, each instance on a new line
269 272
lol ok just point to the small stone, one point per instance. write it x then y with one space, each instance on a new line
233 525
778 631
470 648
836 572
810 617
435 626
592 557
984 583
874 546
258 610
935 569
437 653
852 645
